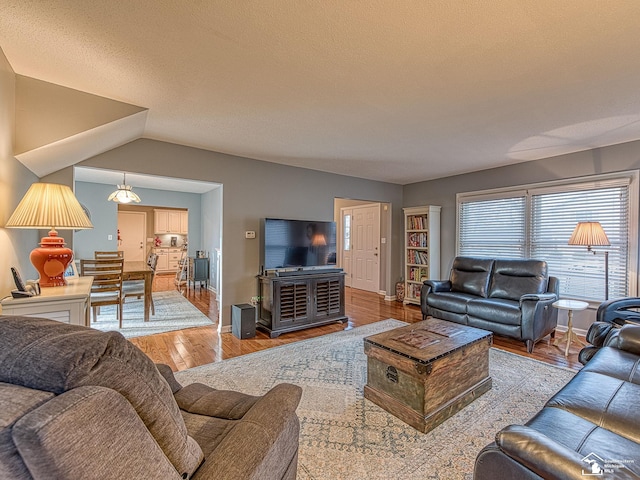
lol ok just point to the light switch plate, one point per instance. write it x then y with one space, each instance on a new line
250 234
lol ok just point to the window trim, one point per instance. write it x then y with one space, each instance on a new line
628 177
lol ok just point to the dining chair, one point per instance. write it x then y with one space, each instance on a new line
107 283
135 288
111 254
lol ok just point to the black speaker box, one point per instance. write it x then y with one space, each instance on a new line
243 320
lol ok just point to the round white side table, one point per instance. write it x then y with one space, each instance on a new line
570 306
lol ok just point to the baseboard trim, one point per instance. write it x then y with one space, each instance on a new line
224 328
390 298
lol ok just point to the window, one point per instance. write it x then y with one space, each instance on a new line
537 222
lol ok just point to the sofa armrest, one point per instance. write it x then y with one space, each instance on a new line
438 285
629 339
538 316
538 297
429 286
265 440
89 433
539 453
167 374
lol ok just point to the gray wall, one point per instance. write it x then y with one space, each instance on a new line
15 179
443 191
104 216
253 190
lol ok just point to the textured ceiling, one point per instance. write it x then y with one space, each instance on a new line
393 90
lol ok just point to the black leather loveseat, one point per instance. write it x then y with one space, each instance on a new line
589 429
508 297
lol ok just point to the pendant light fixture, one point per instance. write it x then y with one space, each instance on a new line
124 193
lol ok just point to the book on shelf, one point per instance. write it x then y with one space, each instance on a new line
417 257
417 240
417 274
414 291
417 222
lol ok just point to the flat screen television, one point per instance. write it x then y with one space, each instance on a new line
298 244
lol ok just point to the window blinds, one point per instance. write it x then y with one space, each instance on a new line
553 219
492 228
538 223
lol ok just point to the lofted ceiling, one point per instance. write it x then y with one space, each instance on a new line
392 90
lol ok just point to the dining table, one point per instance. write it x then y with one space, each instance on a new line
139 270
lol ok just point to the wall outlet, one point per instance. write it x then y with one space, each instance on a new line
109 237
250 234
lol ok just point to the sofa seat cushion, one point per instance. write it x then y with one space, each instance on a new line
205 400
615 363
471 275
207 431
56 357
513 278
450 301
585 437
497 310
15 402
604 401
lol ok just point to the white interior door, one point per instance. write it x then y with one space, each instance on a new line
365 248
133 232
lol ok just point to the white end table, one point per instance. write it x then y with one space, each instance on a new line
570 306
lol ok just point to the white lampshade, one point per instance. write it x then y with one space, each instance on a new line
51 206
589 234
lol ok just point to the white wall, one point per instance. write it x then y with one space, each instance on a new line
15 180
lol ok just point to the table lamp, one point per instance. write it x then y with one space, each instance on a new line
49 205
591 234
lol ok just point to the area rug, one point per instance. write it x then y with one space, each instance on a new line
173 312
344 436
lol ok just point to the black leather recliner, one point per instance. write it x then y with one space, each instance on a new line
592 419
611 315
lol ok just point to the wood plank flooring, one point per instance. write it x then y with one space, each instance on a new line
192 347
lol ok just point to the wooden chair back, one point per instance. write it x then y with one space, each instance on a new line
112 254
107 282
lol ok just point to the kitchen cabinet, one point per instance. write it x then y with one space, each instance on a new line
171 221
163 259
168 259
184 222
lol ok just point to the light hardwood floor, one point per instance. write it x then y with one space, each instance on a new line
189 348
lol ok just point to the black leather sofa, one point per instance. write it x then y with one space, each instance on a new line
508 297
589 429
610 316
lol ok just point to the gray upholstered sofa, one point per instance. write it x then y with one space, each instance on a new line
508 297
589 429
79 403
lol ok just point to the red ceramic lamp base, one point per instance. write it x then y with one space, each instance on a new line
51 260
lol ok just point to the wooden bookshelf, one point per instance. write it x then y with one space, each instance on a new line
421 249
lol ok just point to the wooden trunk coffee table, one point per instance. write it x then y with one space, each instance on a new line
427 371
